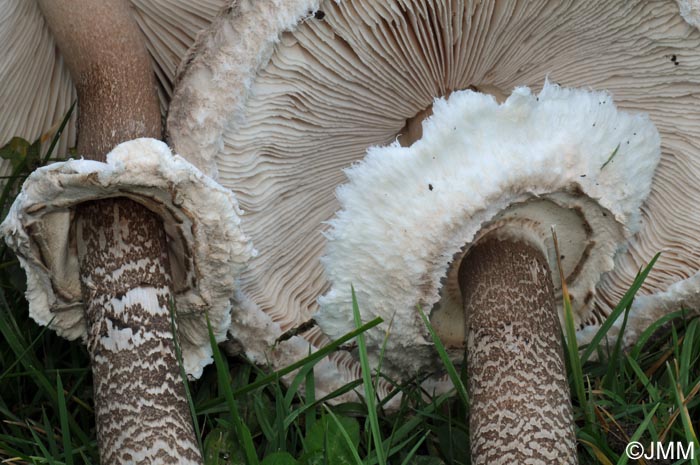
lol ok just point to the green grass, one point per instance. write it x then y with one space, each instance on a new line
245 415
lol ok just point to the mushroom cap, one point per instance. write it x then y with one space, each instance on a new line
279 102
409 214
36 89
206 247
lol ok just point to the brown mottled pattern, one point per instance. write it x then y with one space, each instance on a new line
111 69
520 404
140 404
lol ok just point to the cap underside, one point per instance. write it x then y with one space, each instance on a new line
323 92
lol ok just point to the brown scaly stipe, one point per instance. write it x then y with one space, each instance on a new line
140 403
141 411
520 406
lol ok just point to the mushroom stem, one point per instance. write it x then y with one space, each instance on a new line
141 409
140 403
520 404
109 64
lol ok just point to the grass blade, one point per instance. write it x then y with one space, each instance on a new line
625 302
346 437
367 382
449 366
647 333
638 432
65 429
571 344
183 377
414 449
37 441
610 158
224 379
57 136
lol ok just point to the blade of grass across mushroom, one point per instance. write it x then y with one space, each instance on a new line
445 358
183 375
378 369
570 339
224 380
370 393
57 136
624 305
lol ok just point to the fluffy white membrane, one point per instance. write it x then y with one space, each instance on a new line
206 247
690 11
406 212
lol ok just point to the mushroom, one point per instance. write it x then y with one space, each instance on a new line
459 222
204 246
279 100
108 243
104 286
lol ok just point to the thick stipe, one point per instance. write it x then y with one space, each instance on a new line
520 406
140 404
111 70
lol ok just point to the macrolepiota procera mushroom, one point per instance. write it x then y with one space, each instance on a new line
460 222
280 100
109 244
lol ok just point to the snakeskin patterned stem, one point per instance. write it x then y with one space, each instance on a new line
520 403
140 404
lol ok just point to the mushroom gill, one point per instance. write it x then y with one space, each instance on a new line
35 86
170 28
